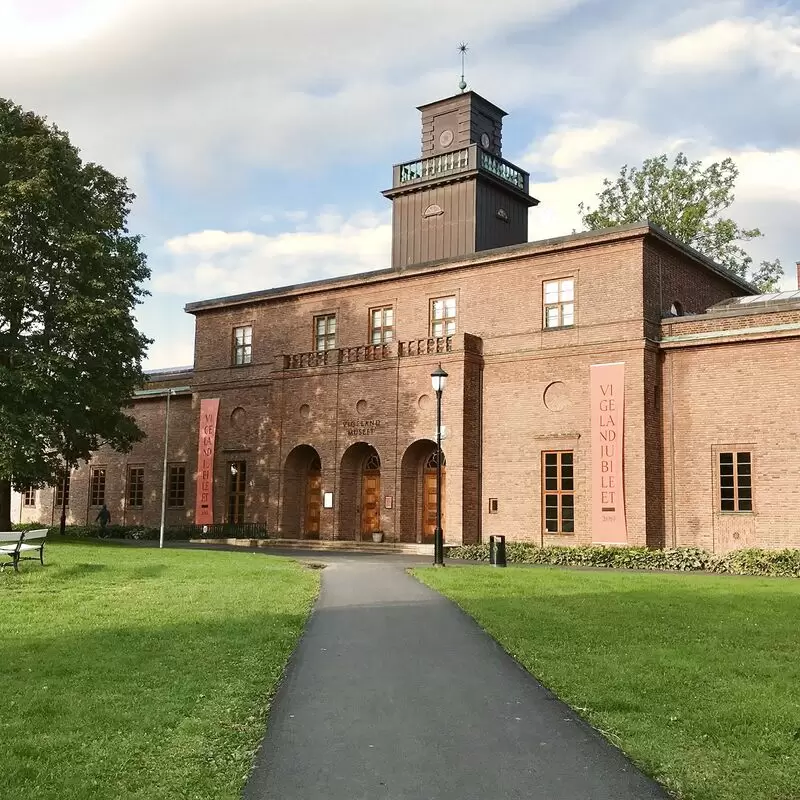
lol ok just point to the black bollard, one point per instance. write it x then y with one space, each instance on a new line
498 545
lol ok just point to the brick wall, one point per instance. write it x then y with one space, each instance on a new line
673 277
515 390
715 397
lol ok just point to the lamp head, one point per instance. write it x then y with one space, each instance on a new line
438 379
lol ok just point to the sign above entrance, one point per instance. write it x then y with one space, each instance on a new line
608 416
361 427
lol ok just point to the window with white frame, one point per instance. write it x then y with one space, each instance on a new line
381 323
243 345
559 303
443 316
325 332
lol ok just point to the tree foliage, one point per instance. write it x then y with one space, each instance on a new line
688 202
70 278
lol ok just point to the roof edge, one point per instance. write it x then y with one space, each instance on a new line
578 239
723 272
464 94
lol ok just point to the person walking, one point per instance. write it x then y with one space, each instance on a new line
104 518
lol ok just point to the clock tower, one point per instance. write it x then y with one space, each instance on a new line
460 196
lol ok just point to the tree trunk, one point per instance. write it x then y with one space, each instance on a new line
5 504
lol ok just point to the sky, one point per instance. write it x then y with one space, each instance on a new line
258 134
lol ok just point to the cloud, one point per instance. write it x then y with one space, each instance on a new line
733 44
198 89
215 262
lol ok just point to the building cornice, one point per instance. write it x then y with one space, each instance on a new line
789 329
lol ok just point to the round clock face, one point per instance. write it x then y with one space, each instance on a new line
446 138
485 142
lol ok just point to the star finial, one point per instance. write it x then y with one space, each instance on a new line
462 48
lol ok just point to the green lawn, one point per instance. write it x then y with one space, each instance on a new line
137 673
696 677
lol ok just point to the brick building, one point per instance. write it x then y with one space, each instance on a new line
613 386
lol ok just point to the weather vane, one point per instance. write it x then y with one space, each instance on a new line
462 48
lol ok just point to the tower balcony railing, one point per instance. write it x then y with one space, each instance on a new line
467 159
368 352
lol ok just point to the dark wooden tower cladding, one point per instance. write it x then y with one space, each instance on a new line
460 196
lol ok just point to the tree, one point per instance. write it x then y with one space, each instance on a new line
688 202
70 278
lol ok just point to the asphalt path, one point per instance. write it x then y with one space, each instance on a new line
393 692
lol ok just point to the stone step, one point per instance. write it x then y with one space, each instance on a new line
400 548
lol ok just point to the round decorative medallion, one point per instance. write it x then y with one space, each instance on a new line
305 411
238 416
424 402
485 141
502 214
361 406
446 138
556 396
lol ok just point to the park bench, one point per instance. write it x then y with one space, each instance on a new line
14 543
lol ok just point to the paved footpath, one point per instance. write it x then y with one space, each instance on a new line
395 693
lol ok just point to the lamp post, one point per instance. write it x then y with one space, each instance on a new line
164 476
439 380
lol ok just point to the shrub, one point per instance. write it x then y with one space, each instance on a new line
133 532
772 563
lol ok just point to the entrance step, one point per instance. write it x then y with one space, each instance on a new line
398 548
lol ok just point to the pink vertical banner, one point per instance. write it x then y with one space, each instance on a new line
204 505
607 397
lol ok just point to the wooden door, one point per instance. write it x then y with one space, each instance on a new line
429 505
370 503
313 505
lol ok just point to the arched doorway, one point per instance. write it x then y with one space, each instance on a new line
360 493
418 492
302 494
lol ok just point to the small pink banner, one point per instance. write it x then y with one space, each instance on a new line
608 416
204 507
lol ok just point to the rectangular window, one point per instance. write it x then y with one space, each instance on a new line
237 484
135 492
325 332
176 482
735 481
243 345
558 492
381 321
559 303
29 497
97 486
443 316
62 492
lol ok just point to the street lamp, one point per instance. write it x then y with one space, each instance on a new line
439 380
164 475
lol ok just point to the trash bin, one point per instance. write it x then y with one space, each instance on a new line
497 550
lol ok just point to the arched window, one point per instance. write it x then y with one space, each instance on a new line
433 460
315 465
677 309
373 462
